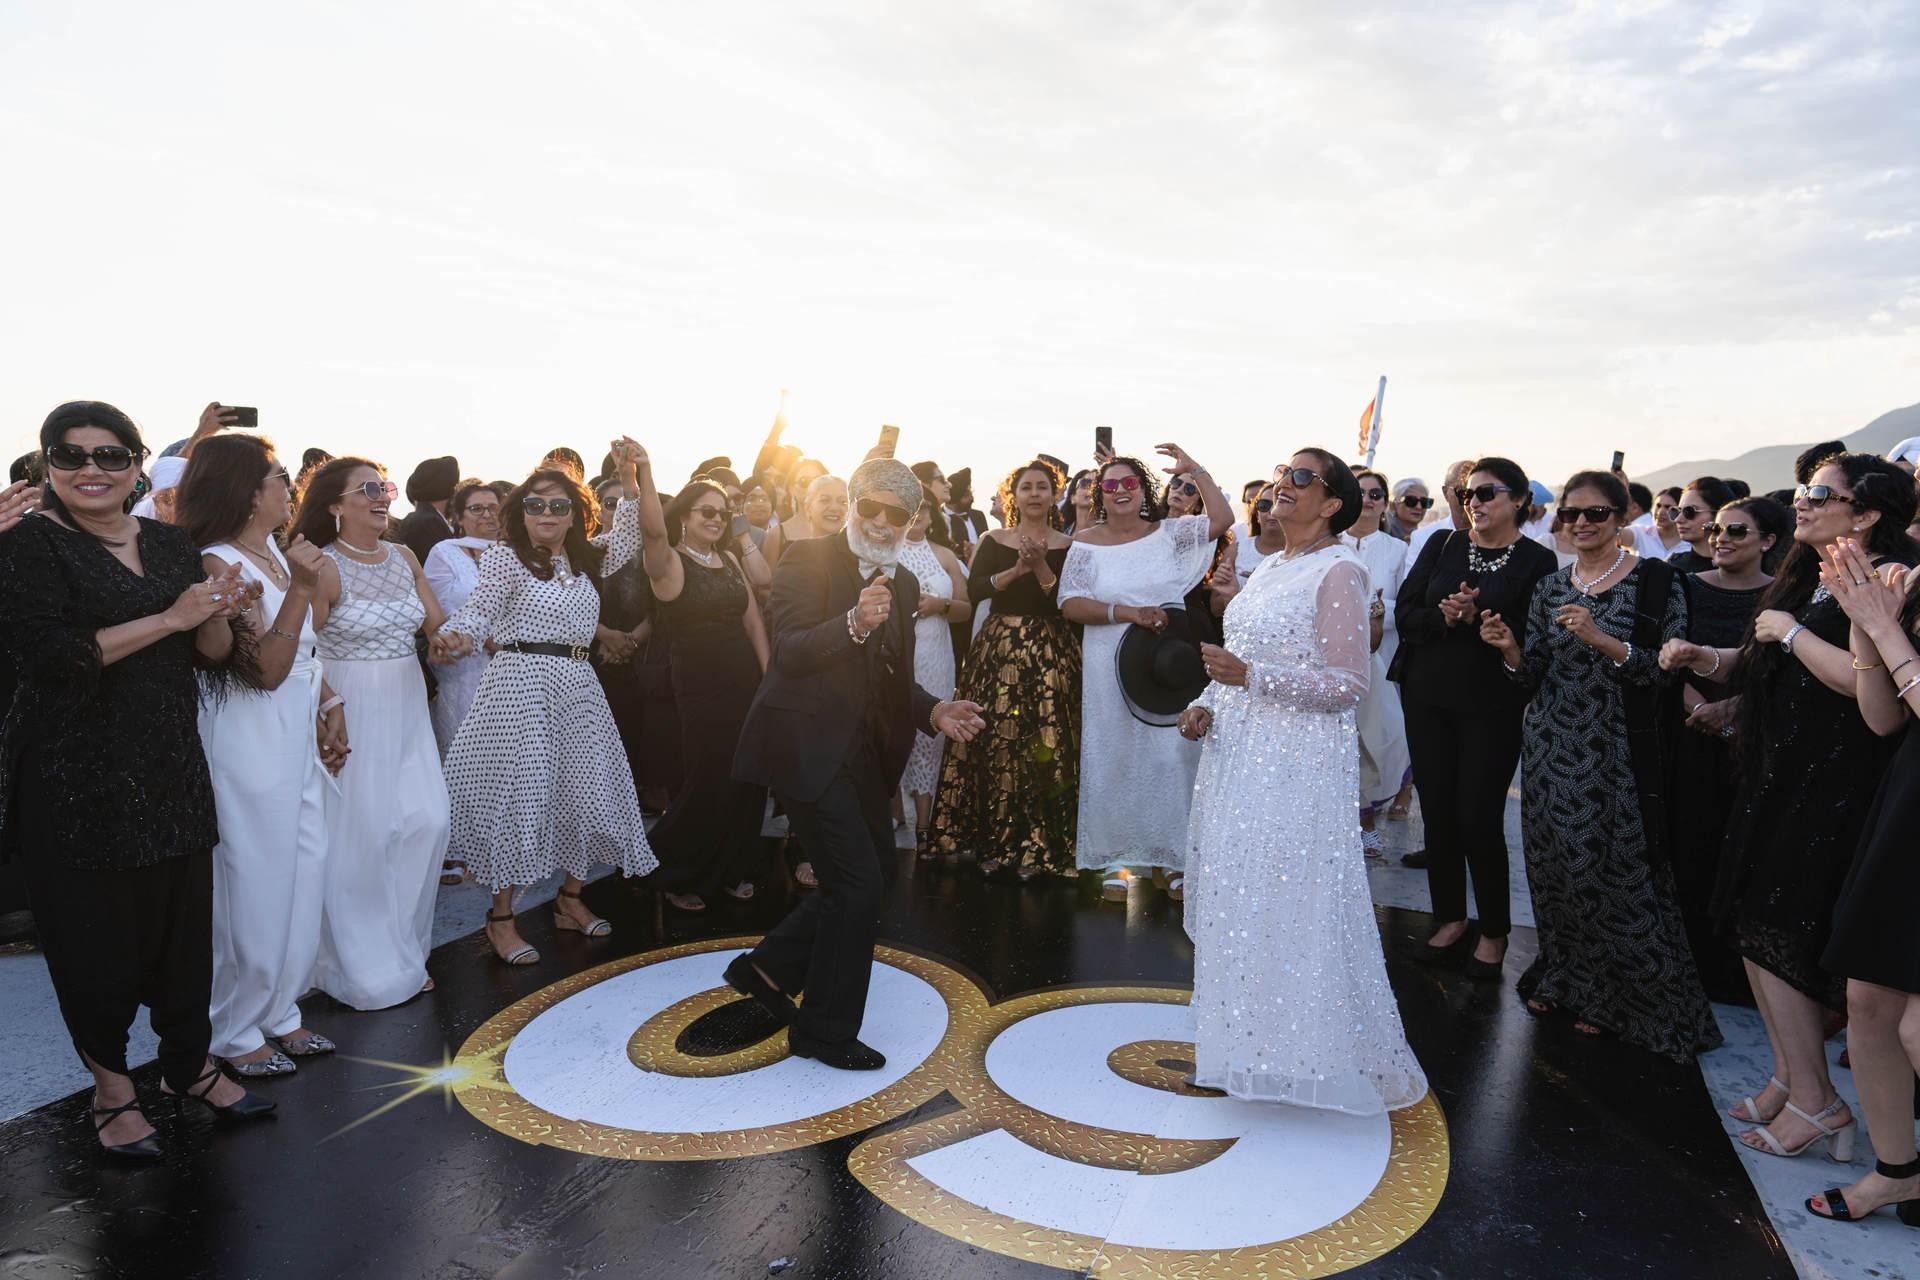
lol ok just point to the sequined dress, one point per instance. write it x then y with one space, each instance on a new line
537 775
1290 996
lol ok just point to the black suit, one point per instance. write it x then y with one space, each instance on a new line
422 528
829 732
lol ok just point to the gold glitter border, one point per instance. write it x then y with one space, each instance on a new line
491 1099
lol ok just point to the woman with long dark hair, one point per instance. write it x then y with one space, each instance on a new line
1811 766
105 796
1613 944
536 775
1010 796
387 820
269 780
1720 606
706 614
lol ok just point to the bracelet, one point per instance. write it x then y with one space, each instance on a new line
1110 618
1871 666
1907 688
1629 658
853 629
335 701
284 635
1716 663
1897 666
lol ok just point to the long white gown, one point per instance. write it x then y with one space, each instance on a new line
1290 996
453 572
1384 758
1136 779
269 869
387 821
932 663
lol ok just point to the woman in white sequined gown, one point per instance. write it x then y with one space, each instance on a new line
387 820
1290 996
538 776
943 604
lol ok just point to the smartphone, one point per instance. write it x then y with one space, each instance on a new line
739 528
1619 461
1102 441
239 416
889 441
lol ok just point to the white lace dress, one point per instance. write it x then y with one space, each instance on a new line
539 779
1384 759
1290 995
1136 779
932 662
453 572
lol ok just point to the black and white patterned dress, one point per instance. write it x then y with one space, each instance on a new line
1613 943
537 775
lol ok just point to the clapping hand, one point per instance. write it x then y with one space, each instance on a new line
1871 597
16 501
1578 621
1033 553
217 597
960 721
1222 667
1495 631
1461 606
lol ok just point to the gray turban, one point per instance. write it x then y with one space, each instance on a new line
885 475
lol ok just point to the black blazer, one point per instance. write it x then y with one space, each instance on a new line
821 688
1452 668
422 528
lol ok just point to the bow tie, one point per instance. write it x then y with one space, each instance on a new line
868 569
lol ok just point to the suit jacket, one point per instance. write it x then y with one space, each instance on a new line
821 688
421 529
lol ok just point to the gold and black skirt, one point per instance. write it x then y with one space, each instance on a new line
1011 796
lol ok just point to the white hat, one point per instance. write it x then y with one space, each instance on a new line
163 474
1907 450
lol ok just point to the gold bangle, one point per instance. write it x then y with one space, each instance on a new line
1869 667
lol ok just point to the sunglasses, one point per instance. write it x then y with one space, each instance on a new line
1481 493
1691 513
706 512
1372 495
1816 495
1298 477
375 490
546 506
71 457
1129 483
1592 515
873 509
1735 530
1418 504
280 474
1187 487
1263 506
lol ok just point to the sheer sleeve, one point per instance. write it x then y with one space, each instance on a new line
52 644
619 542
1078 577
1339 681
1192 549
501 574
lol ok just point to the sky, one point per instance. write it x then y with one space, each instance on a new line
486 228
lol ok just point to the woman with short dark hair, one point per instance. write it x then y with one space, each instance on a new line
105 796
1613 944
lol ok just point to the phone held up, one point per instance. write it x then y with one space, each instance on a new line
1102 441
244 417
889 441
1619 461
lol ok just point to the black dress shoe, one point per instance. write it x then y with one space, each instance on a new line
847 1055
248 1106
1417 860
1452 956
744 978
1486 970
141 1150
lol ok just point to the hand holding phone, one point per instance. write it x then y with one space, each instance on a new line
889 441
1102 444
1619 462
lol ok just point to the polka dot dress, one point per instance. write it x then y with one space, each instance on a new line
538 778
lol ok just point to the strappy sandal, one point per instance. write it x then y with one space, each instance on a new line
1373 845
453 871
1752 1104
595 927
1839 1141
923 847
742 892
140 1149
1908 1211
522 955
1177 887
1114 887
247 1106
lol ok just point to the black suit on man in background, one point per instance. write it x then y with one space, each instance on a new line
829 733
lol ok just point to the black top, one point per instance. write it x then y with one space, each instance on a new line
1452 667
1687 561
1023 598
1719 619
102 763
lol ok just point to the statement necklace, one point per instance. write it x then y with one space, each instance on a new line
365 551
1586 588
711 559
1477 561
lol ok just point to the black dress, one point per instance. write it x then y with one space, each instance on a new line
104 791
1687 561
1874 938
710 834
1704 786
648 728
1798 819
1613 945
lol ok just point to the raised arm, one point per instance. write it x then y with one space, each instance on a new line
621 540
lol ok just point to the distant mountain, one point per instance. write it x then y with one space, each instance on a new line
1772 467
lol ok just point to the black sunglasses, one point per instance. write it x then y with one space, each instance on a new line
1818 495
107 457
546 506
1264 505
1592 515
1736 530
1482 493
1187 487
706 512
1691 513
1298 477
1372 495
1418 504
872 508
280 474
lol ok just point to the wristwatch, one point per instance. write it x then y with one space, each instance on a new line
1786 641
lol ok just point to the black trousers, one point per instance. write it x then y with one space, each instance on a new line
1463 762
115 940
825 945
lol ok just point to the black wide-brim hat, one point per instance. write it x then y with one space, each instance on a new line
1160 672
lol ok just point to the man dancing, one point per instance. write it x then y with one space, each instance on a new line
829 733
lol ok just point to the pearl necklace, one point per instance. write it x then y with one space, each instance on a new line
365 551
1586 588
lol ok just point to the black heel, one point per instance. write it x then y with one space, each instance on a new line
141 1149
249 1106
1487 970
1908 1211
1451 956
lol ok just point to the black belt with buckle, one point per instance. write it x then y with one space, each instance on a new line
578 652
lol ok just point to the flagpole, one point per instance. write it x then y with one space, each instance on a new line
1379 401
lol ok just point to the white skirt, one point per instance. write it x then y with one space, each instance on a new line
455 687
386 836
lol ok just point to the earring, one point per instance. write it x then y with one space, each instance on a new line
336 522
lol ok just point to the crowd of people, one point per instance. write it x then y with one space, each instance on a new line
256 719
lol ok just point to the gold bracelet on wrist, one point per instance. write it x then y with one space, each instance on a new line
1869 667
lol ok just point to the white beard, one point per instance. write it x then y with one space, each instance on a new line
885 556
